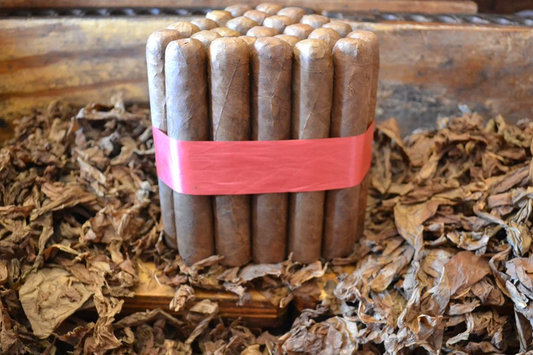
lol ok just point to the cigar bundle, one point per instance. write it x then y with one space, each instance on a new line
263 74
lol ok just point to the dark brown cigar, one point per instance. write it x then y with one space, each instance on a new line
315 21
341 27
372 40
238 9
351 108
278 22
299 30
311 116
206 37
269 8
204 24
229 60
291 40
296 13
226 32
271 120
327 35
219 16
261 31
155 60
241 24
256 15
185 29
188 120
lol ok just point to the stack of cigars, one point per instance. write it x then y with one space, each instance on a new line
268 73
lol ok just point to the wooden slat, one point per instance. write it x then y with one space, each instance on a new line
427 6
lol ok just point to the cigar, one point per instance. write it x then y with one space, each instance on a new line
278 22
271 63
353 61
238 9
219 16
291 40
229 60
311 116
315 21
155 60
226 32
372 40
188 120
185 29
241 24
261 31
204 24
296 13
269 8
249 40
341 27
299 30
327 35
206 37
256 15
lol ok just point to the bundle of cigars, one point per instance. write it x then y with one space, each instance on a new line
263 74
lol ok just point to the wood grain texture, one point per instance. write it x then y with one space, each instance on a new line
427 6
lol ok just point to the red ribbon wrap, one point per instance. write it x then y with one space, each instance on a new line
257 167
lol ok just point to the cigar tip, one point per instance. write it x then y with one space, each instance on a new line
158 40
312 49
356 48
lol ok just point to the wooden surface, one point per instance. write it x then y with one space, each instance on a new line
429 6
257 312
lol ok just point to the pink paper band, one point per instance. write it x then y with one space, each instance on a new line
256 167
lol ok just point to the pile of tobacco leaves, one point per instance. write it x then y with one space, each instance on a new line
444 267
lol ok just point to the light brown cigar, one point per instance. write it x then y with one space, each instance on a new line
188 120
372 40
229 60
299 30
241 24
155 60
185 29
311 116
249 40
271 120
296 13
256 15
327 35
351 109
219 16
315 21
226 32
204 24
291 40
238 9
261 31
269 8
206 37
278 22
341 27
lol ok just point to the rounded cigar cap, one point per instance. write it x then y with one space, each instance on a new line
300 30
271 47
296 13
355 50
291 40
256 15
327 35
315 21
278 22
238 9
262 31
204 23
249 40
364 35
312 49
157 42
206 37
241 24
187 50
219 16
226 32
269 8
185 29
341 27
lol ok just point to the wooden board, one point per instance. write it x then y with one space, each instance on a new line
427 69
427 6
257 312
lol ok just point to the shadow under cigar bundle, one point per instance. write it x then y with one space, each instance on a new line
257 74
